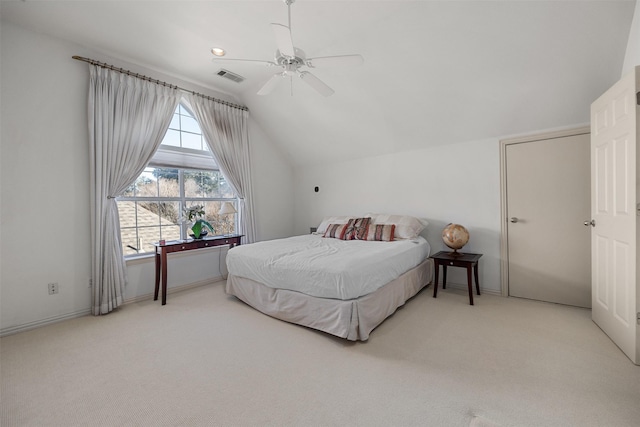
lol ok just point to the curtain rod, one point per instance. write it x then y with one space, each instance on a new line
158 82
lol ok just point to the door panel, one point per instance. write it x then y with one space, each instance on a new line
549 247
614 195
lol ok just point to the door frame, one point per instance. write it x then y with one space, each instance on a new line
504 143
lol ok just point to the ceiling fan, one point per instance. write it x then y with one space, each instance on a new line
291 61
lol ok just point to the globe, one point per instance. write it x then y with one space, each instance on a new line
455 236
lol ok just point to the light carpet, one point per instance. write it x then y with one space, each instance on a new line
207 359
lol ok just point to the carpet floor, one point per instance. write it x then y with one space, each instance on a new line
207 359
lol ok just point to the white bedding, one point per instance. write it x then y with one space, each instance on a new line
325 267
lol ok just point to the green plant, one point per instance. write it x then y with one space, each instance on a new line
193 214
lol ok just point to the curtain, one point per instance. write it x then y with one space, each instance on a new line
225 129
128 118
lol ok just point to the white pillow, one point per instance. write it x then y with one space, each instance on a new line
332 220
407 227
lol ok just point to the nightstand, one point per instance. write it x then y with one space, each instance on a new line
451 259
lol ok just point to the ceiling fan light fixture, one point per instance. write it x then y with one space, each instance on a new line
218 51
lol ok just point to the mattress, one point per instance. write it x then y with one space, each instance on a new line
324 267
352 319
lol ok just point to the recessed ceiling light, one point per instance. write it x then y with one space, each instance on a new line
218 51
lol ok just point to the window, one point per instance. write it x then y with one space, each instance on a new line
181 174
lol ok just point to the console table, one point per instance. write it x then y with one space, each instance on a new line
164 248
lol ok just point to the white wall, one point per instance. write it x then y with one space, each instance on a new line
45 184
458 183
632 55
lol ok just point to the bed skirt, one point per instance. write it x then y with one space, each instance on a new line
350 319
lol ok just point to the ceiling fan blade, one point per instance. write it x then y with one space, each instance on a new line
316 83
270 84
284 40
335 61
262 61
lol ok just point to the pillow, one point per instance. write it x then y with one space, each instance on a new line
381 232
331 220
335 231
357 229
407 227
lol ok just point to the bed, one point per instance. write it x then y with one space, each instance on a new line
344 284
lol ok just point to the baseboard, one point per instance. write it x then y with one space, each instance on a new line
43 322
55 319
174 289
465 288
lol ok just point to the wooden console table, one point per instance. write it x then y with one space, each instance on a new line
187 245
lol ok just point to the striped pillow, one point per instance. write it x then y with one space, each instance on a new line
357 229
381 232
335 231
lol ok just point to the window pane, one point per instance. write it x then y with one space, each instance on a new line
210 184
222 224
147 184
175 122
128 230
189 124
129 241
191 140
168 182
169 213
131 190
195 183
224 189
172 137
147 236
170 232
158 213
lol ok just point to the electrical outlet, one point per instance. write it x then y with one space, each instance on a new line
53 288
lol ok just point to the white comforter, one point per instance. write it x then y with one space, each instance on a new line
324 267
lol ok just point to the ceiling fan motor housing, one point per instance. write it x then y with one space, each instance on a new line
291 64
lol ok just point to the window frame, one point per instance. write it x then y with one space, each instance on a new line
183 160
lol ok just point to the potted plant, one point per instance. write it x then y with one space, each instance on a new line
194 215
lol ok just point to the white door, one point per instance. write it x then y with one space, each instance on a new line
614 118
548 201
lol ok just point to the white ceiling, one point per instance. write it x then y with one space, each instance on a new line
434 72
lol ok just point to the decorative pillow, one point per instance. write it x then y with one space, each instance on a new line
407 227
381 232
331 220
335 231
357 229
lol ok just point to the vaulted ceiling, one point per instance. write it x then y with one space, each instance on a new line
435 72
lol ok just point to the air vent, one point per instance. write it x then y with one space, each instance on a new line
229 75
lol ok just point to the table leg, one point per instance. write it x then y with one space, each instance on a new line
475 272
155 294
435 279
470 285
164 277
444 276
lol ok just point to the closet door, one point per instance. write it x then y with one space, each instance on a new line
547 194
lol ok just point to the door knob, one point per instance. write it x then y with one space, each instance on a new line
513 219
590 223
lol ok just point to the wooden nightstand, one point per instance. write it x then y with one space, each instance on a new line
449 259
